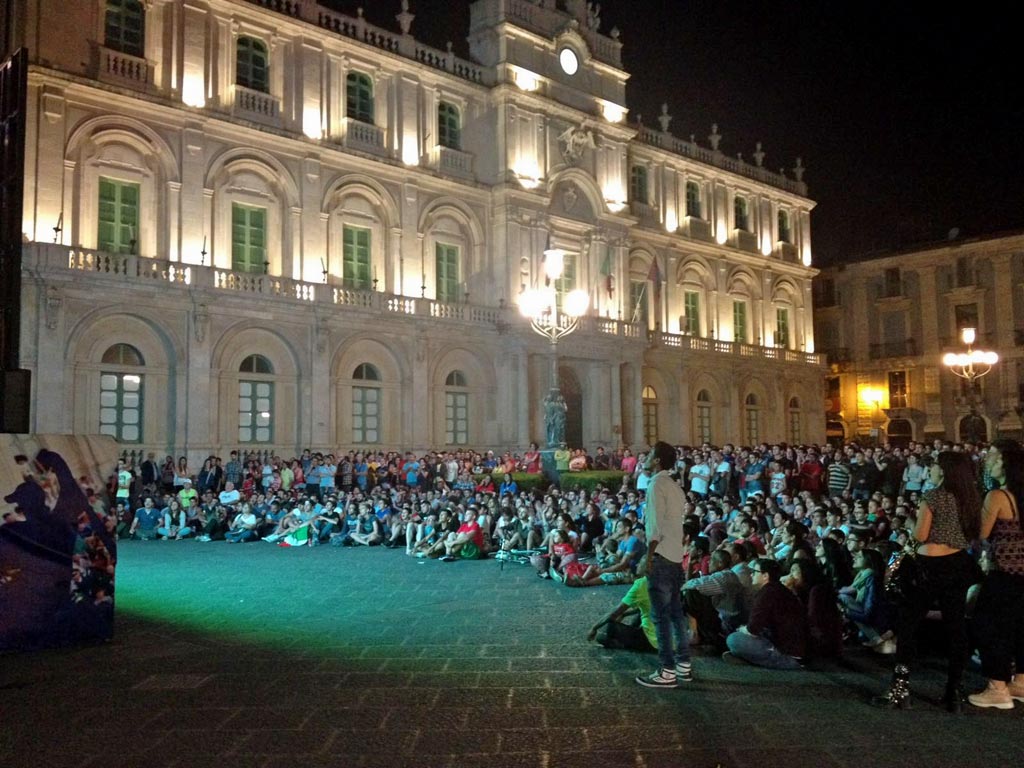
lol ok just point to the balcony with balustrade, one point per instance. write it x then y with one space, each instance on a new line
363 137
123 69
257 106
452 162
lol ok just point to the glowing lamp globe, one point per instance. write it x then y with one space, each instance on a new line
576 303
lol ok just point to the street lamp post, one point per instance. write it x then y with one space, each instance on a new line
971 366
540 306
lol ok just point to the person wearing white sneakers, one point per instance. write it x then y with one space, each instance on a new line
663 522
999 613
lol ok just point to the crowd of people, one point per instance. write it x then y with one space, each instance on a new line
770 555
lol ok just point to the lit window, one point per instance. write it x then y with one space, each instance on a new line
752 422
118 216
739 321
703 420
252 64
449 126
691 313
359 97
650 405
456 409
121 394
446 270
248 238
356 258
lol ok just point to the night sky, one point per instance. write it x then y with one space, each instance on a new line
908 124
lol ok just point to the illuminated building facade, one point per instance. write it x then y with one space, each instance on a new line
886 322
270 225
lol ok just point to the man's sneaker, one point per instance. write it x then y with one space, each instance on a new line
684 672
1016 687
663 678
999 698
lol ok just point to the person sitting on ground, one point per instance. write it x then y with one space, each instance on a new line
174 521
230 496
369 532
864 603
716 602
747 530
824 622
508 487
621 570
616 631
486 485
243 527
147 521
591 528
775 636
468 537
565 563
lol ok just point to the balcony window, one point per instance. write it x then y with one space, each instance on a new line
740 215
446 270
739 322
449 126
118 216
359 97
785 235
691 313
252 65
638 184
248 238
693 199
356 258
124 27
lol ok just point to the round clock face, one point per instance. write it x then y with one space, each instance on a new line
569 61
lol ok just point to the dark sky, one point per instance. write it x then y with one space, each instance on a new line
908 120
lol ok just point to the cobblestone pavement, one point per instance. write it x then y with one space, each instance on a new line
252 655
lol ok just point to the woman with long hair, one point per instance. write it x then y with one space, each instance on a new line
999 614
948 519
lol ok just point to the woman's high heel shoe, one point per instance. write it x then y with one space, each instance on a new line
897 696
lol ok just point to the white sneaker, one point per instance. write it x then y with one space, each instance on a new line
998 698
663 678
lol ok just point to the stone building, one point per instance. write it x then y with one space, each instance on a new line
267 224
886 322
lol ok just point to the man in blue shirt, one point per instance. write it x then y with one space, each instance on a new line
147 519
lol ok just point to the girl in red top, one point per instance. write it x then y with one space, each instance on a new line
569 565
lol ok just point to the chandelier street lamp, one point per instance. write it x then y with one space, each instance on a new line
541 307
972 364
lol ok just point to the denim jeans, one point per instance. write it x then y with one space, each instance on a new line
664 581
759 651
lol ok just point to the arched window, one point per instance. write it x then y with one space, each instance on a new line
255 400
703 420
650 398
359 97
124 27
121 394
693 199
456 409
739 206
449 125
366 405
456 379
795 425
752 419
252 64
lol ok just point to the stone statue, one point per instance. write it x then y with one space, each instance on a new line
554 418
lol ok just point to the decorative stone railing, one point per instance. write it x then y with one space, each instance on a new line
48 260
256 104
123 69
364 136
452 161
670 143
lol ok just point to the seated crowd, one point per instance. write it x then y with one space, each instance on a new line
786 547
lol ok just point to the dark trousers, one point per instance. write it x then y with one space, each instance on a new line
998 625
944 580
617 635
709 623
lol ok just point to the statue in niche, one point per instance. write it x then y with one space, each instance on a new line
554 418
569 196
574 141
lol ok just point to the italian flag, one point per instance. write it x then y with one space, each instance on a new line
297 538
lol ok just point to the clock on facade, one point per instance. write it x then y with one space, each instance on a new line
569 61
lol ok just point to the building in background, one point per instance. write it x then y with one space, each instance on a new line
267 225
886 322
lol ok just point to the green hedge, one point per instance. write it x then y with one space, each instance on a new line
525 480
589 481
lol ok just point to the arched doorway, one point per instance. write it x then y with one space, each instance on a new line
973 429
900 432
572 393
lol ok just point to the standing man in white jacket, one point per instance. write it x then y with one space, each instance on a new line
663 521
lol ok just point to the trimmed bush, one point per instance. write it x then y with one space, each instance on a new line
588 481
526 481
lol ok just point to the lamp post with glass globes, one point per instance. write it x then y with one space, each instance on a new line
540 306
970 365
